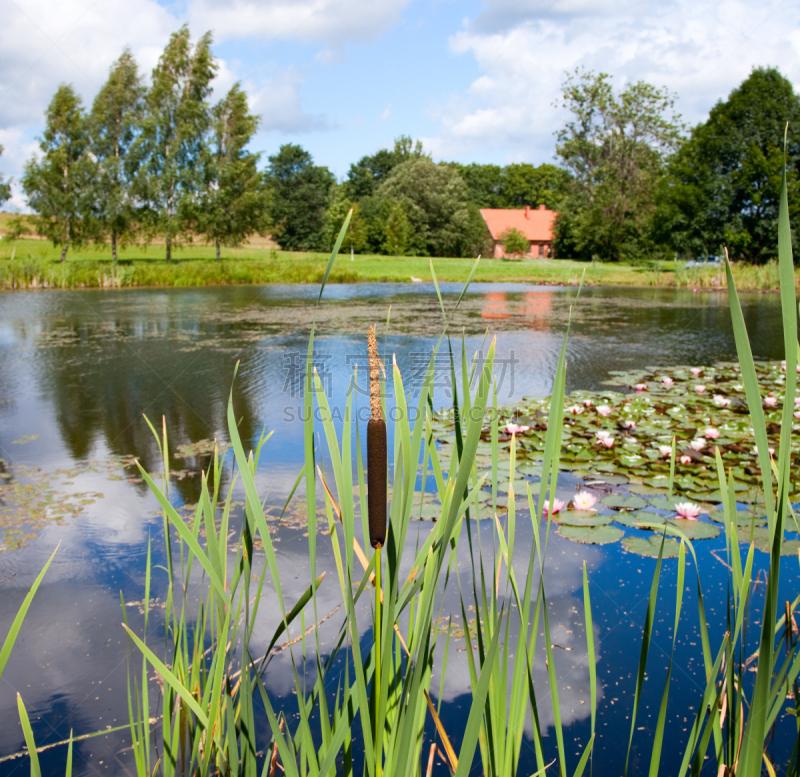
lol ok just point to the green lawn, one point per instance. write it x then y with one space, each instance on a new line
36 264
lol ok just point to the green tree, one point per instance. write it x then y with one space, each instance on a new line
723 185
235 203
113 129
339 204
5 186
485 183
299 192
614 145
516 185
527 184
515 243
59 185
174 133
436 201
370 172
398 232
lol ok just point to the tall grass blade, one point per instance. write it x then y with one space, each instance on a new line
16 624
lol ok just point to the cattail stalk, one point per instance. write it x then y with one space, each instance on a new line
377 457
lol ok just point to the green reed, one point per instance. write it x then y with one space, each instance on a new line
378 698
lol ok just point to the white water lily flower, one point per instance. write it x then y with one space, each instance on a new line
700 389
698 444
602 435
685 459
711 433
558 506
696 371
641 386
587 402
604 410
721 401
516 428
687 510
667 381
665 450
771 450
770 401
584 500
629 424
575 409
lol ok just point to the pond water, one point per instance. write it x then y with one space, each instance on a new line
79 369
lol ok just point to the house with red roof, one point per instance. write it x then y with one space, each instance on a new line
535 223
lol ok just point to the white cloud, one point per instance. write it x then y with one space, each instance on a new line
334 23
278 102
16 150
386 113
45 44
523 49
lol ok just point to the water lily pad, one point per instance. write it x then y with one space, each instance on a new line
621 502
581 518
789 547
611 480
743 518
591 535
520 486
650 546
695 530
643 490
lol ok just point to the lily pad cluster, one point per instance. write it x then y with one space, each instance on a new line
617 445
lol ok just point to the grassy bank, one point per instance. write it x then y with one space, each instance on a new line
32 264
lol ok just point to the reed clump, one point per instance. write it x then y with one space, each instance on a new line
366 705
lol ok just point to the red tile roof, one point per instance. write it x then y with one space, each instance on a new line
535 224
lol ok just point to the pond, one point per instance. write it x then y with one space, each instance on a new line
80 369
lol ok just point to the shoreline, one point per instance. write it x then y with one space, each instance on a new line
36 266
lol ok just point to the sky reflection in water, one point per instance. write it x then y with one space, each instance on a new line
80 368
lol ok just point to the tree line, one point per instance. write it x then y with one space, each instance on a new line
633 182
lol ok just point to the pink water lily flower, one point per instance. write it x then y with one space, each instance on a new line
641 386
629 424
797 401
558 506
584 500
698 444
587 402
665 450
667 381
771 450
687 510
696 371
700 389
604 410
685 459
797 414
770 401
575 409
712 433
721 401
516 428
608 442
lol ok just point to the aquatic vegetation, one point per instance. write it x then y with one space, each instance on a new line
362 698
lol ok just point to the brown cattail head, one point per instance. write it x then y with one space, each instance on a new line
377 451
377 471
374 376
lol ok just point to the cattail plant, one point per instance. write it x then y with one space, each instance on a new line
377 466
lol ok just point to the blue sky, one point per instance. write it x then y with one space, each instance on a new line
476 80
